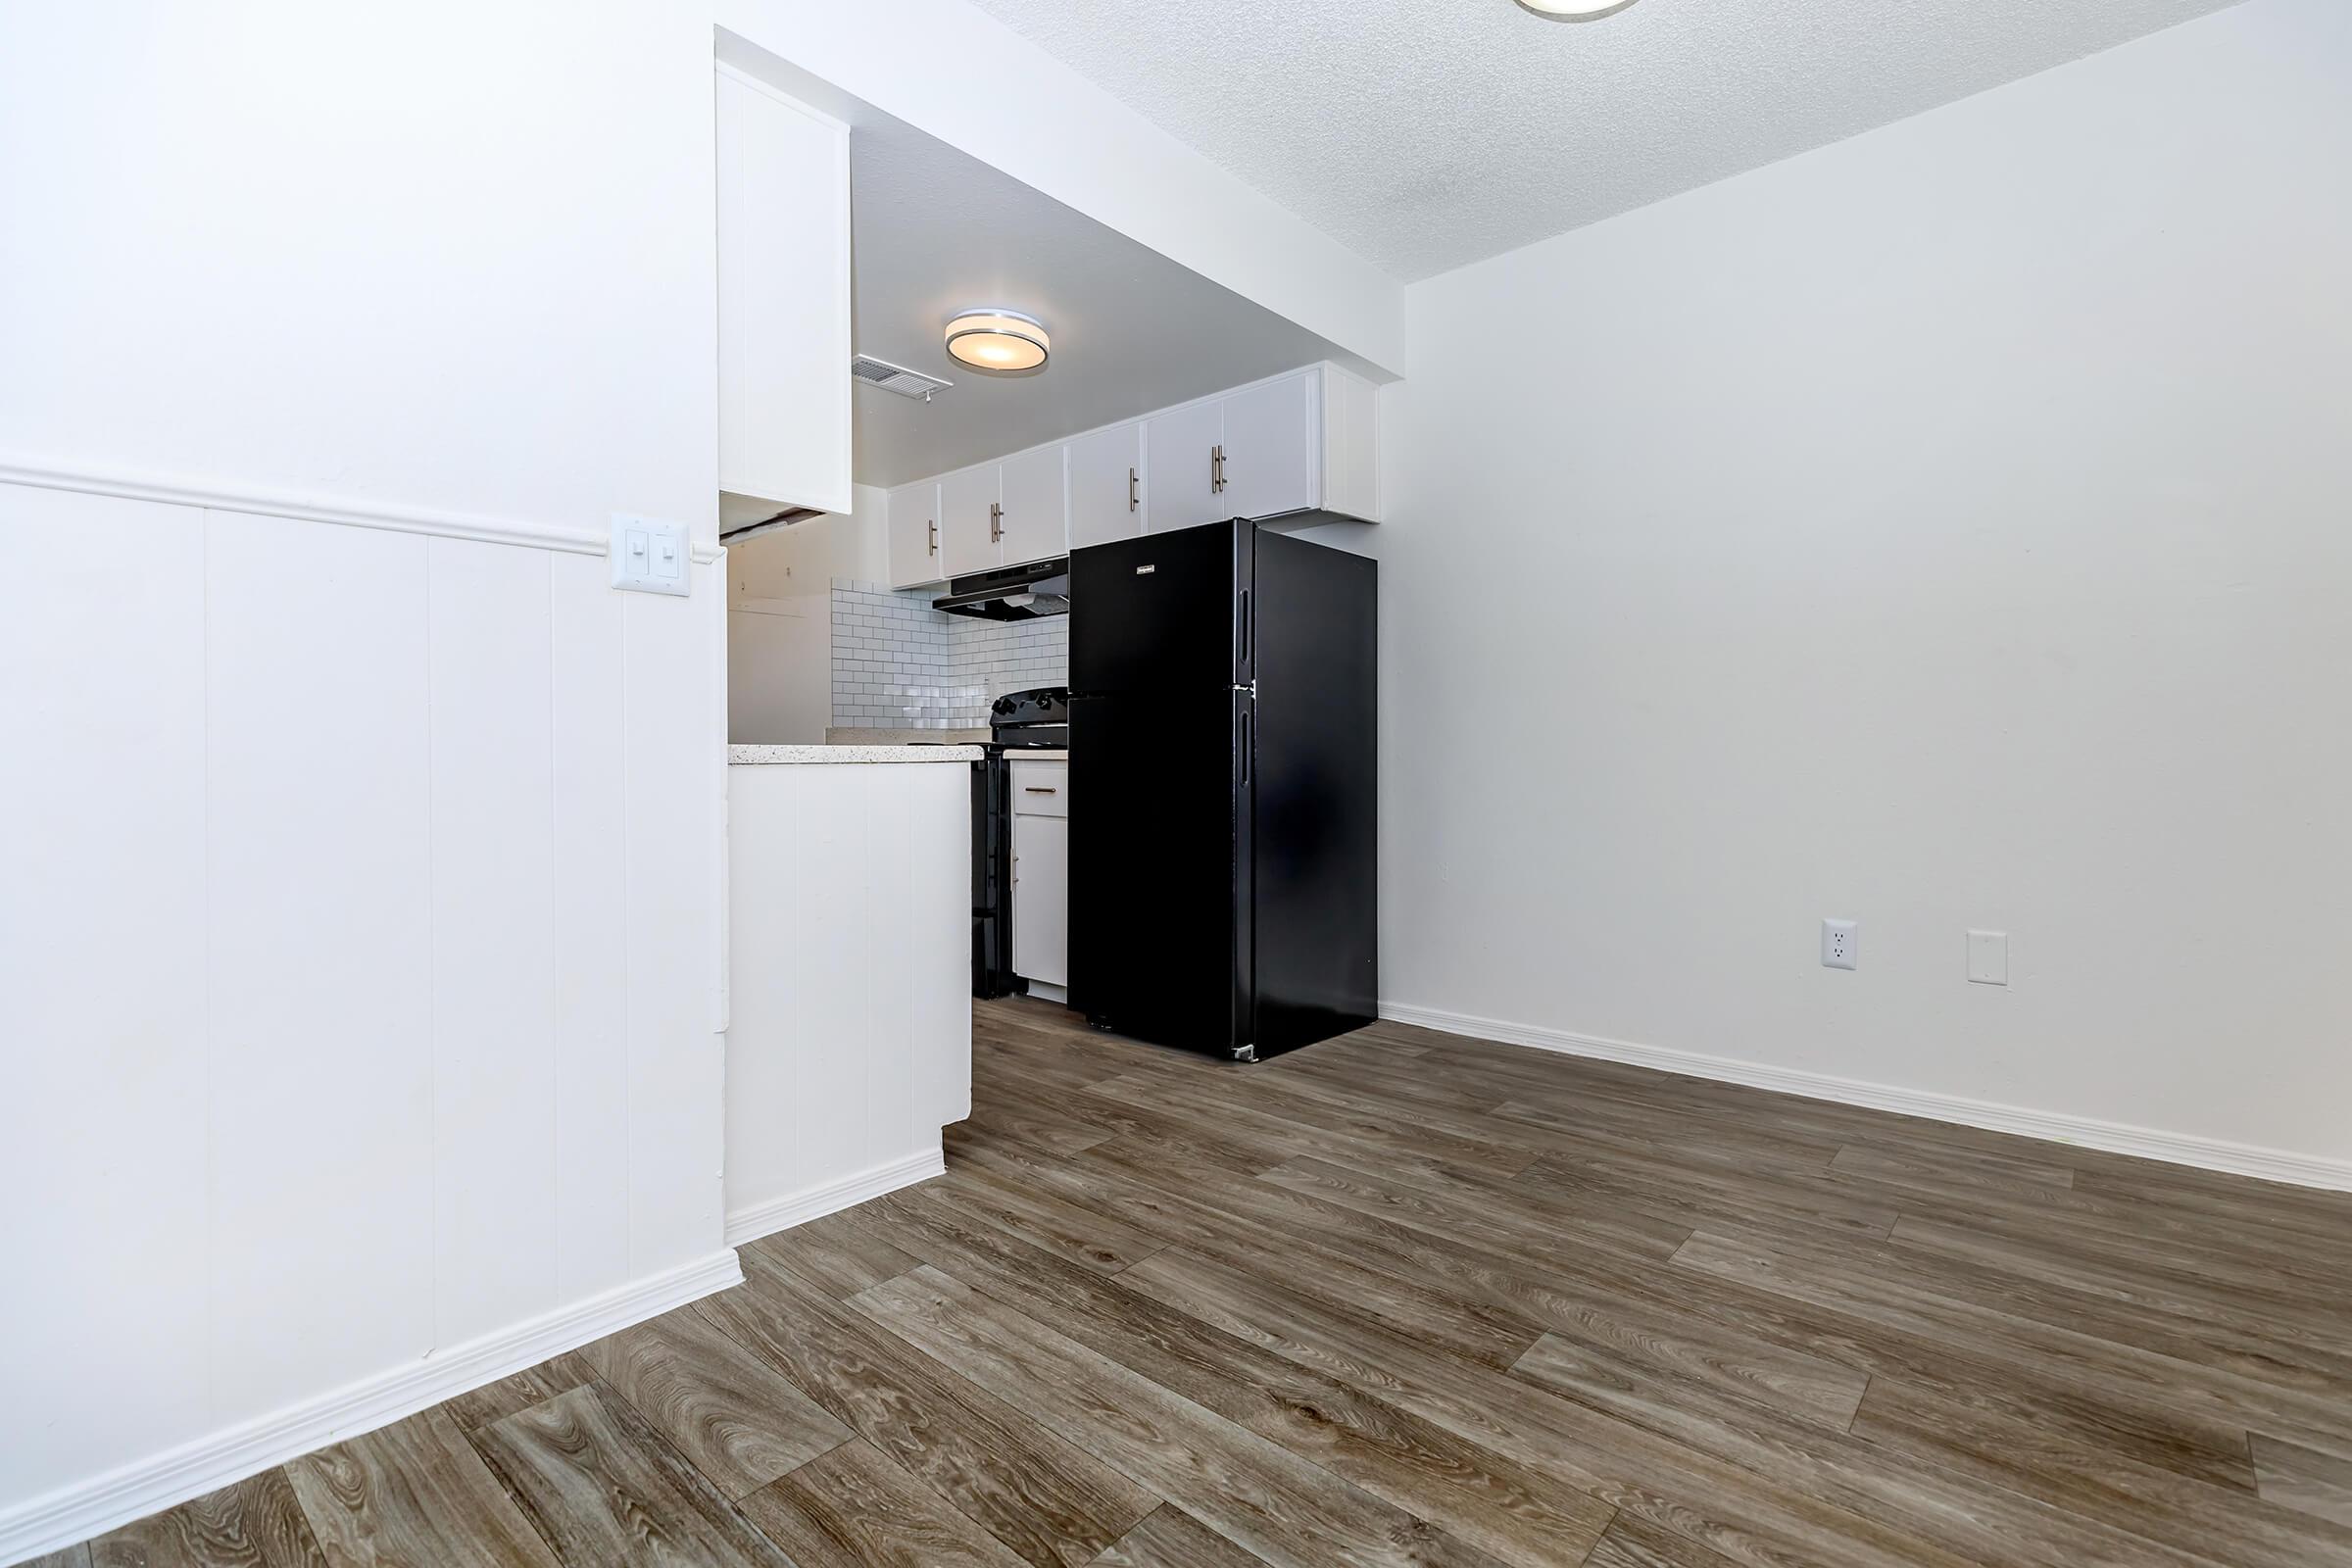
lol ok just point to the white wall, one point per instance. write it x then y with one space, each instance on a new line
779 618
359 911
424 265
1946 528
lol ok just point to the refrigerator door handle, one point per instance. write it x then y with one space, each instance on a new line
1245 751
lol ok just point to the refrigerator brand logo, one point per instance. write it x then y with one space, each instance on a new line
1145 571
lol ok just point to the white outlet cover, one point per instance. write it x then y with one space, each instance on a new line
651 556
1838 950
1989 958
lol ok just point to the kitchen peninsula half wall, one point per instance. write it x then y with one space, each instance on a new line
849 973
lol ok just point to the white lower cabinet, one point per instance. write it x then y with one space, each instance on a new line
1040 871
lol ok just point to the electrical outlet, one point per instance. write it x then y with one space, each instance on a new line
1989 958
1837 944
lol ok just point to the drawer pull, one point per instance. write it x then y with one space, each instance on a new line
1041 789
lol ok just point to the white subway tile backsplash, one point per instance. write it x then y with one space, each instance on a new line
900 664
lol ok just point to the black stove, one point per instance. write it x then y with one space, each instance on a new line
1036 720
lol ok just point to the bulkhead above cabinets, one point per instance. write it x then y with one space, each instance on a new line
783 229
1304 442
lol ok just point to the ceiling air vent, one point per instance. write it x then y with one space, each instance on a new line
896 377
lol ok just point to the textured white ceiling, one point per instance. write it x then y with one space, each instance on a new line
935 231
1427 134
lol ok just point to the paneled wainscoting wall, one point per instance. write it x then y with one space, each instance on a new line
357 930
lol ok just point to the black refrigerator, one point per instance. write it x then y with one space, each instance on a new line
1223 867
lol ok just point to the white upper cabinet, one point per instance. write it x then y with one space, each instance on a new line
1035 520
783 225
993 515
1183 446
914 523
1267 453
1305 442
970 526
1106 486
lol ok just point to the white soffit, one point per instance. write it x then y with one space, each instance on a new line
935 232
949 68
1424 134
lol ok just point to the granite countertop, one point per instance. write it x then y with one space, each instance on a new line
771 755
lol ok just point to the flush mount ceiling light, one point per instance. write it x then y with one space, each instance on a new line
998 340
1575 10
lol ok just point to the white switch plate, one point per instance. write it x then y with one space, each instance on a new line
1989 958
1838 950
651 557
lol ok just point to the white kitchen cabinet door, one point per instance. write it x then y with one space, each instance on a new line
914 523
1106 486
1181 444
1273 449
967 522
1036 503
783 230
1041 899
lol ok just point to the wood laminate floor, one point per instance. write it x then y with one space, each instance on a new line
1410 1299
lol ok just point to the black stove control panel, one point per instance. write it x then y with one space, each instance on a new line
1038 705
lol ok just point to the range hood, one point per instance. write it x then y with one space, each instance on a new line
1011 593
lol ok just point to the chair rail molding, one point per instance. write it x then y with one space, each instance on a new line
209 495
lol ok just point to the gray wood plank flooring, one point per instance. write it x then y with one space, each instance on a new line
1410 1299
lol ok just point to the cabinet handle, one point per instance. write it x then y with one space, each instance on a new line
1216 468
1041 789
996 522
1132 503
935 536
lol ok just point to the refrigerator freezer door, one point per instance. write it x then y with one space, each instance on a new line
1156 613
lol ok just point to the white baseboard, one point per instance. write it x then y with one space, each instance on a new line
2114 1138
134 1491
754 1220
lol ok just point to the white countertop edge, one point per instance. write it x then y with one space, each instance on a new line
1042 754
772 756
